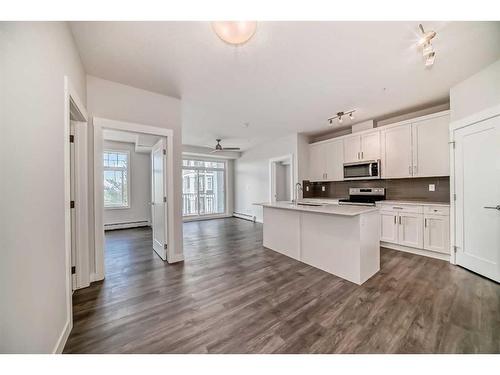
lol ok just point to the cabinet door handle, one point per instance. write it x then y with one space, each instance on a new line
425 222
326 176
394 219
400 220
358 155
361 154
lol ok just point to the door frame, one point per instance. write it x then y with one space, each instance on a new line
485 114
173 254
71 100
272 175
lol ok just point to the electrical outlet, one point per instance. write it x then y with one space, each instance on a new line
307 188
432 187
323 188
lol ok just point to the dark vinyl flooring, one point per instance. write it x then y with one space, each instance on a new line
231 295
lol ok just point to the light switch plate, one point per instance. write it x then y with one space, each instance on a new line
323 188
432 187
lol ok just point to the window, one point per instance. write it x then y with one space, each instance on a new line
203 187
116 179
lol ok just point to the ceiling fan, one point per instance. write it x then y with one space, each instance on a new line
218 147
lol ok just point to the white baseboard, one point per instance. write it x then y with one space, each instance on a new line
134 224
245 217
61 342
412 250
207 217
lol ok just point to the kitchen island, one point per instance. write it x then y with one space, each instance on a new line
343 240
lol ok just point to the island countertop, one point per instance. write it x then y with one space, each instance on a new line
328 209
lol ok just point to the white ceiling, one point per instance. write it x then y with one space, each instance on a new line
290 77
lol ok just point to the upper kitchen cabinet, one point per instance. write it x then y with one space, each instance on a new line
416 148
326 161
431 156
334 160
317 162
396 152
361 147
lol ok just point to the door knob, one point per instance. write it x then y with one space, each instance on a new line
497 207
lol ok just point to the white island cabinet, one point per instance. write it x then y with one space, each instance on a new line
341 240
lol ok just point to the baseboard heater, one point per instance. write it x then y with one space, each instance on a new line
239 215
128 224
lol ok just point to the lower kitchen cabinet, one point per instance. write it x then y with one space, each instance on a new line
410 231
389 226
416 226
437 233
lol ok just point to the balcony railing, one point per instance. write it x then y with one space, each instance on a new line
205 203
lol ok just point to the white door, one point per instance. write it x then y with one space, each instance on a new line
334 152
436 233
431 151
72 197
317 162
396 155
388 226
477 207
370 146
411 231
159 198
352 149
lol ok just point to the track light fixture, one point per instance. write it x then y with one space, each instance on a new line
425 43
340 116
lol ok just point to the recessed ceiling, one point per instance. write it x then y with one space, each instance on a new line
291 76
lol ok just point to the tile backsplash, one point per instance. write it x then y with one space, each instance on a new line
395 189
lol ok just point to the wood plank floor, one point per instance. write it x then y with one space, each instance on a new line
231 295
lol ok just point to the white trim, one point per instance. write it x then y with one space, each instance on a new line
476 117
173 253
61 342
187 219
412 250
70 96
126 225
272 175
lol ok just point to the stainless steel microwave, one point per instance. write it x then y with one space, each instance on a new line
362 170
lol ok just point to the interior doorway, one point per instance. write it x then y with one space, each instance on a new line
133 187
281 179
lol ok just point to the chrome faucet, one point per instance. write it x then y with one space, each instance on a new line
298 188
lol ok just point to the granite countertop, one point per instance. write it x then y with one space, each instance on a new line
328 209
417 202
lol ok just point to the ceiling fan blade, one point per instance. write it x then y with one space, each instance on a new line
230 148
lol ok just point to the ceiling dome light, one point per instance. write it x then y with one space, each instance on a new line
235 32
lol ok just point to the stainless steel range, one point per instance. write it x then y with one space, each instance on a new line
364 196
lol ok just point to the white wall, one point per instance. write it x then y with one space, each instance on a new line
140 187
35 57
476 93
124 103
252 173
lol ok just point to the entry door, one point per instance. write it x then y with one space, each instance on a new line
159 198
477 185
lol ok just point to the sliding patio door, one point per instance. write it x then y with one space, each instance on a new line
203 187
